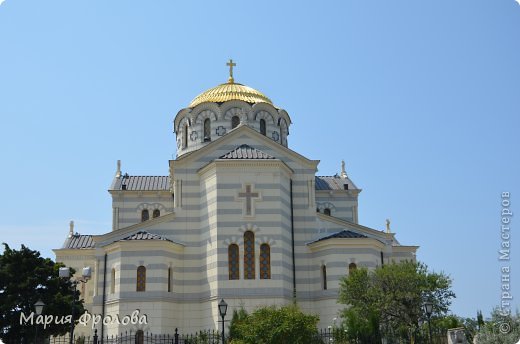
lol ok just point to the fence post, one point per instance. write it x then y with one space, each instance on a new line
176 336
95 336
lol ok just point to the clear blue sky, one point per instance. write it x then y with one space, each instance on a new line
421 99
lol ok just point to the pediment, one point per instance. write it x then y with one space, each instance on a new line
233 143
245 151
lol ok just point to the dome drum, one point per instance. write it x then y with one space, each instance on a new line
219 110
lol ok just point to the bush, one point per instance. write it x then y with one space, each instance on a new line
272 325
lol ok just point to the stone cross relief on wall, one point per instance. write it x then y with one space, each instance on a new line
249 198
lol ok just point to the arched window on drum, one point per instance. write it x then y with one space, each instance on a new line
207 130
263 128
235 121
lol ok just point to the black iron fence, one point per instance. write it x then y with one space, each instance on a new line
327 336
139 337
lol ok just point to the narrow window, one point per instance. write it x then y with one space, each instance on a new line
262 127
326 211
141 279
233 262
169 280
185 136
265 261
249 255
351 267
324 277
145 215
156 213
113 282
139 337
317 210
207 130
235 121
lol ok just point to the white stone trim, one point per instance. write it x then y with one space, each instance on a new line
150 207
323 205
239 104
184 113
203 107
249 227
202 115
263 114
185 120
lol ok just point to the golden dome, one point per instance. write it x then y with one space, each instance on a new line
230 91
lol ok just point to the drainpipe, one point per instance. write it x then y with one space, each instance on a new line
104 298
292 243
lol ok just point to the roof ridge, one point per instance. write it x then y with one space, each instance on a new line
342 234
143 235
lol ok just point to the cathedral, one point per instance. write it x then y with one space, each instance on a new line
238 216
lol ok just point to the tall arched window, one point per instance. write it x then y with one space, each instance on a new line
207 130
326 211
233 267
169 280
141 279
113 282
139 337
185 136
235 121
156 213
265 261
249 255
352 267
324 277
145 215
262 127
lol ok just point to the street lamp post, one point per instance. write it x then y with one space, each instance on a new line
38 307
428 309
222 309
85 276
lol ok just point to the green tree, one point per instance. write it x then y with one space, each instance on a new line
272 325
480 319
239 316
364 329
26 277
388 301
500 329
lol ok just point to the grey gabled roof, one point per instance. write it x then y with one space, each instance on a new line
143 235
78 241
344 234
246 152
333 183
143 183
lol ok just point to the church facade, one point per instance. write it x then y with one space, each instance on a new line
239 216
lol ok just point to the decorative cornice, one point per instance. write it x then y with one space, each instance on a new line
366 230
243 163
142 245
344 242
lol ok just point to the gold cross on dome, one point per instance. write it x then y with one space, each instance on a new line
231 64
